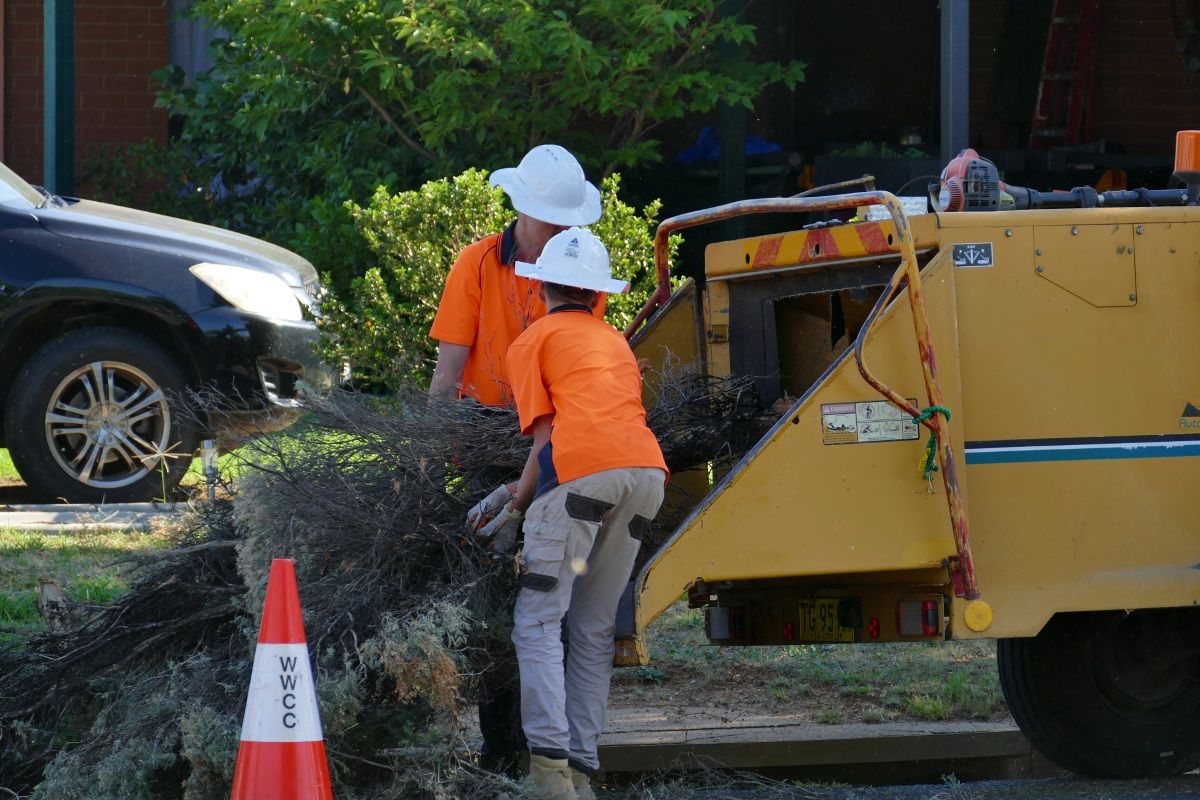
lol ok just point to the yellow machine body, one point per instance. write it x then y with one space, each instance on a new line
1067 344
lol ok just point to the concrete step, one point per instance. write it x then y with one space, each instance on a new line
654 739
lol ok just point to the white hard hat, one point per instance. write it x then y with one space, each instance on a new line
548 185
574 257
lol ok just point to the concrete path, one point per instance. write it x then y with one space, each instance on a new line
78 517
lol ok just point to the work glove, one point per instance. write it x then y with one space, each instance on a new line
482 512
503 530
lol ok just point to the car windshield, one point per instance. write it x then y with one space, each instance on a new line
13 188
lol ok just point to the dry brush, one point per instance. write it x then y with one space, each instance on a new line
407 617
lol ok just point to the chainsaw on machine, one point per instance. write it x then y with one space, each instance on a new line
971 182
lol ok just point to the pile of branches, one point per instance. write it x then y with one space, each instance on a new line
700 420
407 617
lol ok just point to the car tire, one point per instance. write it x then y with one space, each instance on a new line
1109 694
97 415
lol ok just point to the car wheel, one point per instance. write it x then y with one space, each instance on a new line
96 416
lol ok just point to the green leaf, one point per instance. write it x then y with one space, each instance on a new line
447 85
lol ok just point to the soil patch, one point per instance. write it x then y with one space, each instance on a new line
821 684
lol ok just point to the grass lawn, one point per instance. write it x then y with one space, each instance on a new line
827 684
8 473
80 562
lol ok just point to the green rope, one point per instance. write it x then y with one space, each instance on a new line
929 462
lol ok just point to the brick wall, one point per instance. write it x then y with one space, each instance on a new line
1144 93
118 44
873 70
23 88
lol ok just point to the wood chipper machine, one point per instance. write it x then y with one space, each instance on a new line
997 435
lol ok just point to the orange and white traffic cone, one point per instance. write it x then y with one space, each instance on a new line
282 753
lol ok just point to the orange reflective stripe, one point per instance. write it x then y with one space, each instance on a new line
873 239
767 252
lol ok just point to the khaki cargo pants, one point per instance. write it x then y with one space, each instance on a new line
580 542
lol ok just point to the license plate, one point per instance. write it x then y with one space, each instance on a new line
819 622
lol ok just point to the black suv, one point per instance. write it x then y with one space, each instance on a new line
109 316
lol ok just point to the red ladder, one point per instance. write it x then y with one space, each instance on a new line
1062 114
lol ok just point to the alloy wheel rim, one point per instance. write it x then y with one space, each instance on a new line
108 424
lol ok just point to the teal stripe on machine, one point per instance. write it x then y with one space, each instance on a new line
1022 453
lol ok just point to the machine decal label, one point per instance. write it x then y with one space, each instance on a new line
972 254
865 421
1190 418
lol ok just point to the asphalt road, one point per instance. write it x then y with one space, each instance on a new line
1186 787
1179 788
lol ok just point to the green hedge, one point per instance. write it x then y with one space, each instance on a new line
380 323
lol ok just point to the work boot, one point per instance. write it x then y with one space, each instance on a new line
583 785
550 778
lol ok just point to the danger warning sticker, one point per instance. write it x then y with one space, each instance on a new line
865 421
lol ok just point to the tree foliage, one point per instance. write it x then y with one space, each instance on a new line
380 323
314 102
438 82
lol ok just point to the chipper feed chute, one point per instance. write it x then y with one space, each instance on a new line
786 509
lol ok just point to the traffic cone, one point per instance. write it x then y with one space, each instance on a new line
282 753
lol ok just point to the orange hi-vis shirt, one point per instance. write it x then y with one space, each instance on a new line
485 306
580 369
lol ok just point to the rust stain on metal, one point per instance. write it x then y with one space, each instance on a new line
908 277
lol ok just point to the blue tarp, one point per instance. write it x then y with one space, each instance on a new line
708 147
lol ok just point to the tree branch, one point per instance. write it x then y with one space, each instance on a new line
391 121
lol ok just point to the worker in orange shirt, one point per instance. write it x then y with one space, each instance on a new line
590 488
485 305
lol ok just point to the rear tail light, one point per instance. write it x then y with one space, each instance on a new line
918 617
929 618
